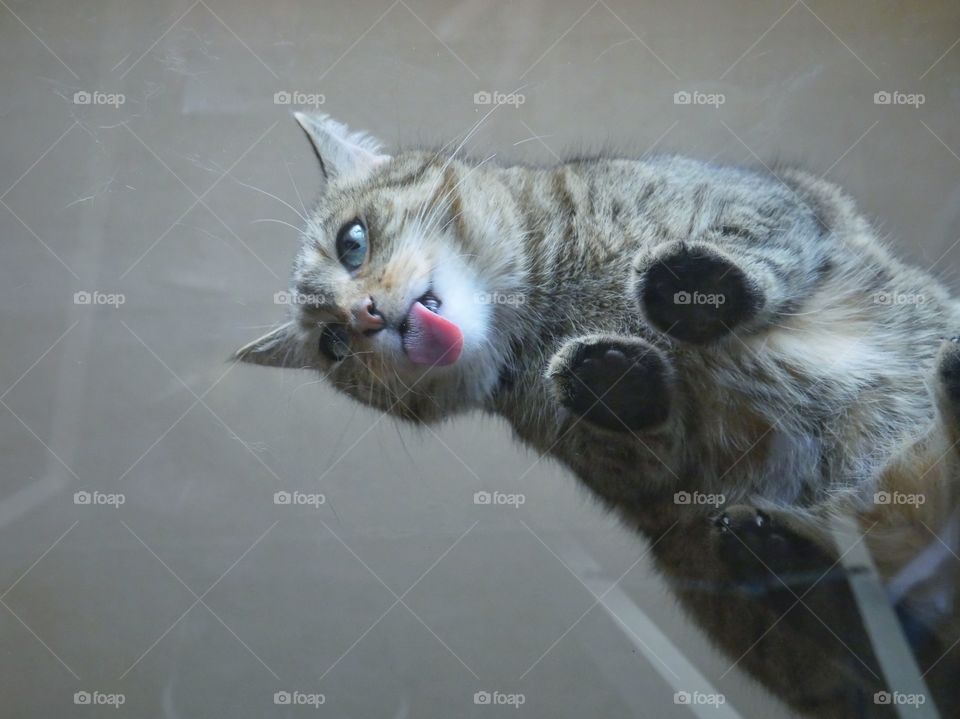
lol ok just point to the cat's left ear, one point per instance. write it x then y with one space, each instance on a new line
340 151
277 348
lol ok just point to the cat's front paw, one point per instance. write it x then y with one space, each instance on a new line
694 293
758 545
618 383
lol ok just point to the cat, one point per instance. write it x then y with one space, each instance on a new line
685 337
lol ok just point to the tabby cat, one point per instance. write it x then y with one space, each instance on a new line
670 330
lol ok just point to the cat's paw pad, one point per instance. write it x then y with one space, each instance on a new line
695 294
616 383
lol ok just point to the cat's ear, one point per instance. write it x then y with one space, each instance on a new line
340 151
277 348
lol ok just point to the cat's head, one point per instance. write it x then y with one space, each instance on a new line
391 290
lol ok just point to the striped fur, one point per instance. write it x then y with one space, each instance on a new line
815 402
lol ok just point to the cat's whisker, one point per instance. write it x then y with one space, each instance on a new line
450 159
448 196
450 221
469 134
307 384
296 229
270 195
295 188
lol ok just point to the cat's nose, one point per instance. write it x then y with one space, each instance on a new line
367 318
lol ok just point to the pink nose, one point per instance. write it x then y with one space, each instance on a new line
366 318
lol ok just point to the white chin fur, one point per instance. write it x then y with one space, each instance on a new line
463 303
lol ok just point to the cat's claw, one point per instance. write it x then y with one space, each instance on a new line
620 384
753 522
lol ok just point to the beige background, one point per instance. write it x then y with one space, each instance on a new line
199 596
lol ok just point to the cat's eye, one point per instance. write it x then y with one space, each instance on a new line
334 342
352 244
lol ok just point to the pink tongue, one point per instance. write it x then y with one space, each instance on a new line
430 339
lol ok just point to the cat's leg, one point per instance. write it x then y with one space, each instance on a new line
703 289
789 565
769 594
618 383
772 552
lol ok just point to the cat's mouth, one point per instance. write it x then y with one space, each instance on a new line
427 337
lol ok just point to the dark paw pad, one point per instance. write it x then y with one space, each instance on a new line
618 386
695 295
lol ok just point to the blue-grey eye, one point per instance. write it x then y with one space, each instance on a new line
352 244
334 342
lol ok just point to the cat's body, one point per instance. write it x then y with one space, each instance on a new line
660 326
812 399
